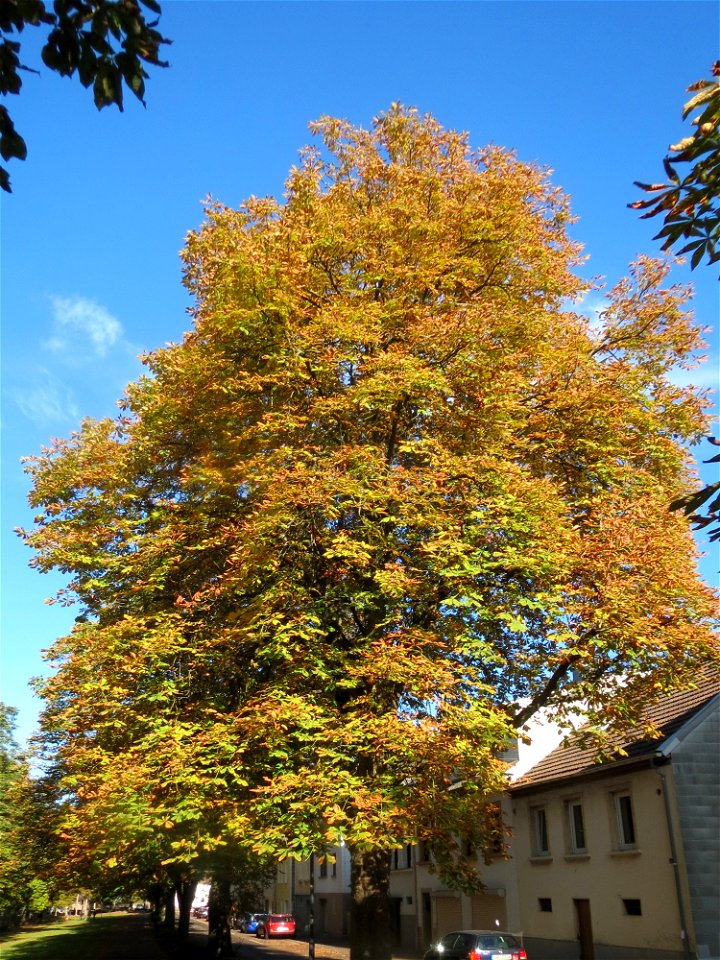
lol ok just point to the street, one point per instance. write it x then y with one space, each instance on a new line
249 947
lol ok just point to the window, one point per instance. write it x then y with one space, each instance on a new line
545 904
323 866
576 826
539 841
633 908
625 821
464 944
402 858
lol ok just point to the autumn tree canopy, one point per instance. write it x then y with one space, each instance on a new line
390 496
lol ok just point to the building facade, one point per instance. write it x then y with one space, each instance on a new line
424 908
621 860
617 860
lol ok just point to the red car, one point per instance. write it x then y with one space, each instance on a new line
276 925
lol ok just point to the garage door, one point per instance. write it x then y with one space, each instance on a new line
448 915
486 909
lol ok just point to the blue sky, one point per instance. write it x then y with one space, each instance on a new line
99 211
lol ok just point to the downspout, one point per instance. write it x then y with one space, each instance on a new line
674 858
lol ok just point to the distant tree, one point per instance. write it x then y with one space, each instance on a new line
38 896
388 498
116 837
250 877
13 875
239 878
689 203
106 42
27 842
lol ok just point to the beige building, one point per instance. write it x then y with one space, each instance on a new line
290 892
424 908
612 861
622 859
279 895
332 892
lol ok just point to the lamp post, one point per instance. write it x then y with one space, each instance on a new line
311 938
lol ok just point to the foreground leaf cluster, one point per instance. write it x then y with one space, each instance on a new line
688 202
107 43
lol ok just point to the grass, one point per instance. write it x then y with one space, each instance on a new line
108 937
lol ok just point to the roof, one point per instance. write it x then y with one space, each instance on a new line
670 715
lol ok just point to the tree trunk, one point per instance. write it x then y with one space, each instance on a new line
185 890
219 906
370 931
169 908
155 895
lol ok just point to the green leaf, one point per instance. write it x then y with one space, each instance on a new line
12 145
697 256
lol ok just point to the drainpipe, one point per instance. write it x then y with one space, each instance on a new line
674 858
311 939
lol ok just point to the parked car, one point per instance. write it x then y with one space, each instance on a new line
276 925
200 912
248 922
477 945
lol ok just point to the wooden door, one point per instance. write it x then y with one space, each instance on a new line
584 922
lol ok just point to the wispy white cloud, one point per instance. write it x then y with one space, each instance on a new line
706 375
79 323
592 305
46 400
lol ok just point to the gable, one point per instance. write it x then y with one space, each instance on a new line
671 716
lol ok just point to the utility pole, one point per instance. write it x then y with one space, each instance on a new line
311 943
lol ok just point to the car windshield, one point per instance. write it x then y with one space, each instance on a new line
495 941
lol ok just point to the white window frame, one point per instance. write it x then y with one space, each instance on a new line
575 845
623 799
540 835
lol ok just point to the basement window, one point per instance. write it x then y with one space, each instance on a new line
633 908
